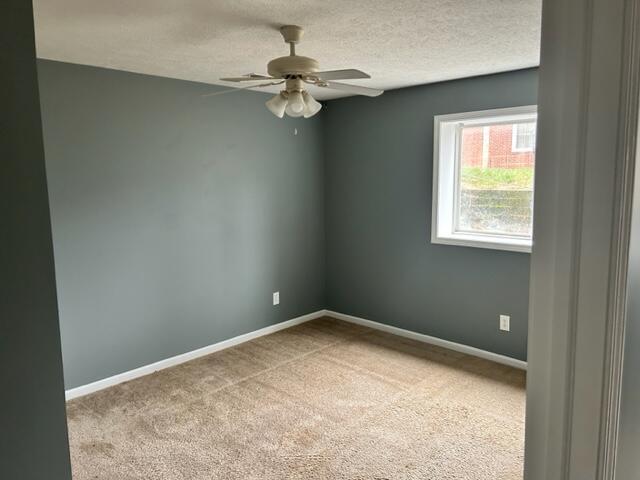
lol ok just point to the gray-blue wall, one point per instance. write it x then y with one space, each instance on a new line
33 430
380 262
174 216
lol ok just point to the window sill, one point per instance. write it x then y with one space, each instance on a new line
492 242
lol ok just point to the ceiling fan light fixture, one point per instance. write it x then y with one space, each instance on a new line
289 111
296 104
277 104
312 106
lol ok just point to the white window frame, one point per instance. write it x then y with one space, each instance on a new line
514 142
446 162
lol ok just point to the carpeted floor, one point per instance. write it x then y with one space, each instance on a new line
323 400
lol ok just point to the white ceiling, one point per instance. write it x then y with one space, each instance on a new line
398 42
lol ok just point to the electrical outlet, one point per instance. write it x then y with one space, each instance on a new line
276 298
505 321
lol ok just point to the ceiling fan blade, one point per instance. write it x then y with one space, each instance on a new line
231 90
355 89
341 74
247 78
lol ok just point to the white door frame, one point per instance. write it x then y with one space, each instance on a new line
588 111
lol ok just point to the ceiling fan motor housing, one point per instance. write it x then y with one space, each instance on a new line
291 65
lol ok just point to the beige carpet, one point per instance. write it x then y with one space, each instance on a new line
323 400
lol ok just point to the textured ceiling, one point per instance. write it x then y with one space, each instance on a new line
399 42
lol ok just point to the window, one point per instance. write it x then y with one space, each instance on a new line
483 178
523 138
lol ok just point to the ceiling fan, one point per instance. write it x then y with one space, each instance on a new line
295 71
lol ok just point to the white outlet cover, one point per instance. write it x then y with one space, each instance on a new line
505 321
276 298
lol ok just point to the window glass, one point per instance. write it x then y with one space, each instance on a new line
495 184
524 137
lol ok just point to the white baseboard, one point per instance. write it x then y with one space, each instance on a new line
458 347
185 357
201 352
